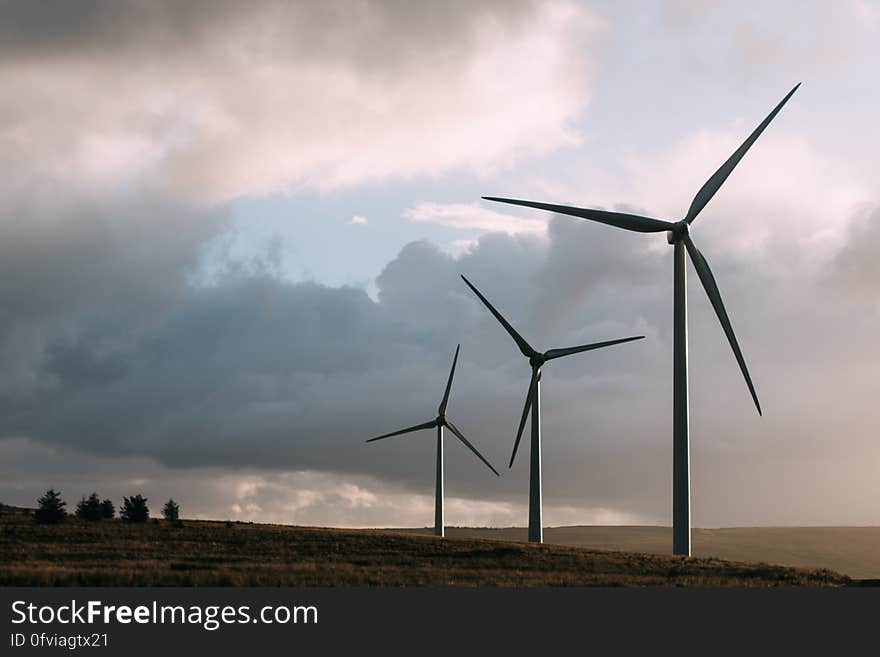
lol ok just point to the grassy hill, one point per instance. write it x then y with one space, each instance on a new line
854 551
112 553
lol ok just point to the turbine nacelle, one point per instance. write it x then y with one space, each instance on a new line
680 230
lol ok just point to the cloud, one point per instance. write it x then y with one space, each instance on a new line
472 216
258 373
788 203
213 101
293 497
358 220
855 267
255 371
786 197
460 247
808 36
122 364
117 262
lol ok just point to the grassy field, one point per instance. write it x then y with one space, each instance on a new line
854 551
204 553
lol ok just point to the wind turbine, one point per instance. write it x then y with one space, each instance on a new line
440 421
678 234
533 402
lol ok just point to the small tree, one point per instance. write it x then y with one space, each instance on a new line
50 508
89 508
171 510
108 510
134 509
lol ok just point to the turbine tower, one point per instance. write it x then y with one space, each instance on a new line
678 235
440 422
533 402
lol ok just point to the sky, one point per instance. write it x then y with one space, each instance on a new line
232 237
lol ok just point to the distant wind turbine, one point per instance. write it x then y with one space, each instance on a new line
533 402
440 421
678 234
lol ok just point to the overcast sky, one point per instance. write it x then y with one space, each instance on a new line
232 234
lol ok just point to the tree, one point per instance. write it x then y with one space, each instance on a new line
89 508
50 508
134 509
171 510
108 510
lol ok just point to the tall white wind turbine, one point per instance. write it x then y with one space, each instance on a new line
678 234
533 403
440 422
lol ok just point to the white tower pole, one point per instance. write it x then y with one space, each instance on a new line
681 481
536 531
439 528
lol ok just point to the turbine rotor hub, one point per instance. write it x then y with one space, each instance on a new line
678 232
536 360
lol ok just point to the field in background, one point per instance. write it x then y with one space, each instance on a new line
113 553
853 551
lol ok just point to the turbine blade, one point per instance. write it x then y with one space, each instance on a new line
454 429
525 414
524 346
714 295
707 191
558 353
426 425
619 219
445 401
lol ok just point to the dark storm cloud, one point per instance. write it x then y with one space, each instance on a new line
343 28
253 371
81 277
571 276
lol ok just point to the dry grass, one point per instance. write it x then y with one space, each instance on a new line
853 551
203 553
